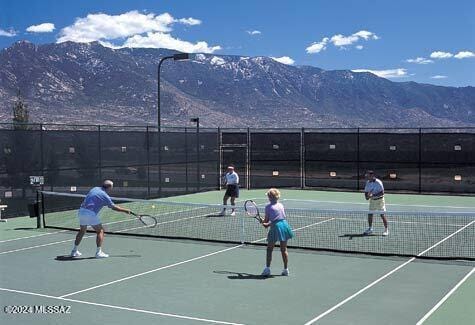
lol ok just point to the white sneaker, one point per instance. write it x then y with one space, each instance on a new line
285 272
266 272
386 232
101 254
368 231
75 253
233 214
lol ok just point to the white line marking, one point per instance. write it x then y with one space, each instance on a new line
151 271
383 277
423 319
44 234
68 240
392 204
122 308
176 264
43 245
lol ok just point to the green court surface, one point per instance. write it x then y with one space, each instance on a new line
157 281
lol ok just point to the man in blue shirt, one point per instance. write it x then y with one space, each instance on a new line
88 215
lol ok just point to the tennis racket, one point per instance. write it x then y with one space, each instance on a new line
147 220
252 210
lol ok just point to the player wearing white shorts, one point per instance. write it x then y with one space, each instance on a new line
231 178
374 192
88 215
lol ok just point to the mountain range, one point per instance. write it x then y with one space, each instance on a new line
86 83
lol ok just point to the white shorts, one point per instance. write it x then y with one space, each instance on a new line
377 205
88 217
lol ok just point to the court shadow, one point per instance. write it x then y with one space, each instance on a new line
215 215
244 276
67 258
351 236
27 228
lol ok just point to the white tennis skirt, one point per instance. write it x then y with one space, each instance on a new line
88 217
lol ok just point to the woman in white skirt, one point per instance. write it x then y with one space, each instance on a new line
279 230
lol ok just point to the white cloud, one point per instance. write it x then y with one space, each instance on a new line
441 55
133 29
284 59
420 60
8 33
366 35
317 47
164 40
439 77
41 28
464 55
254 32
391 73
341 41
189 21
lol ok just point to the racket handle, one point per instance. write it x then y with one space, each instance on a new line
134 214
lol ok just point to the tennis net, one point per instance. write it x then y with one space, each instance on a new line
413 234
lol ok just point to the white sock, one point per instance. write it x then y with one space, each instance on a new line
99 249
75 248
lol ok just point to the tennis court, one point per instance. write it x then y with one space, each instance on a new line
177 281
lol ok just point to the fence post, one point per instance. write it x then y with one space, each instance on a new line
220 157
100 152
186 160
420 160
358 159
248 159
148 161
302 158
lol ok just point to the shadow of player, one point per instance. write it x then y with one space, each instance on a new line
245 276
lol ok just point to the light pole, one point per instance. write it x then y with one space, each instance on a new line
197 121
175 57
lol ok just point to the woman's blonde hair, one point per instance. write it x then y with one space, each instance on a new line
273 193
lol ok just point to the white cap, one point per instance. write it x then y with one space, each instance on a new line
108 184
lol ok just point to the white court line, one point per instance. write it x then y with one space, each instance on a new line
389 205
176 264
109 223
430 312
383 277
122 308
43 245
45 234
68 240
389 221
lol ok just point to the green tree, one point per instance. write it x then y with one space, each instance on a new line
20 114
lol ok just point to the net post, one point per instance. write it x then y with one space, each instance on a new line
37 210
43 209
243 231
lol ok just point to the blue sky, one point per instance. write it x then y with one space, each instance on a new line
423 41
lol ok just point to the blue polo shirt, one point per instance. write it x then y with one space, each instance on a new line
96 199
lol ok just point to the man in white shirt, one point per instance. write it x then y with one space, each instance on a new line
374 192
231 179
